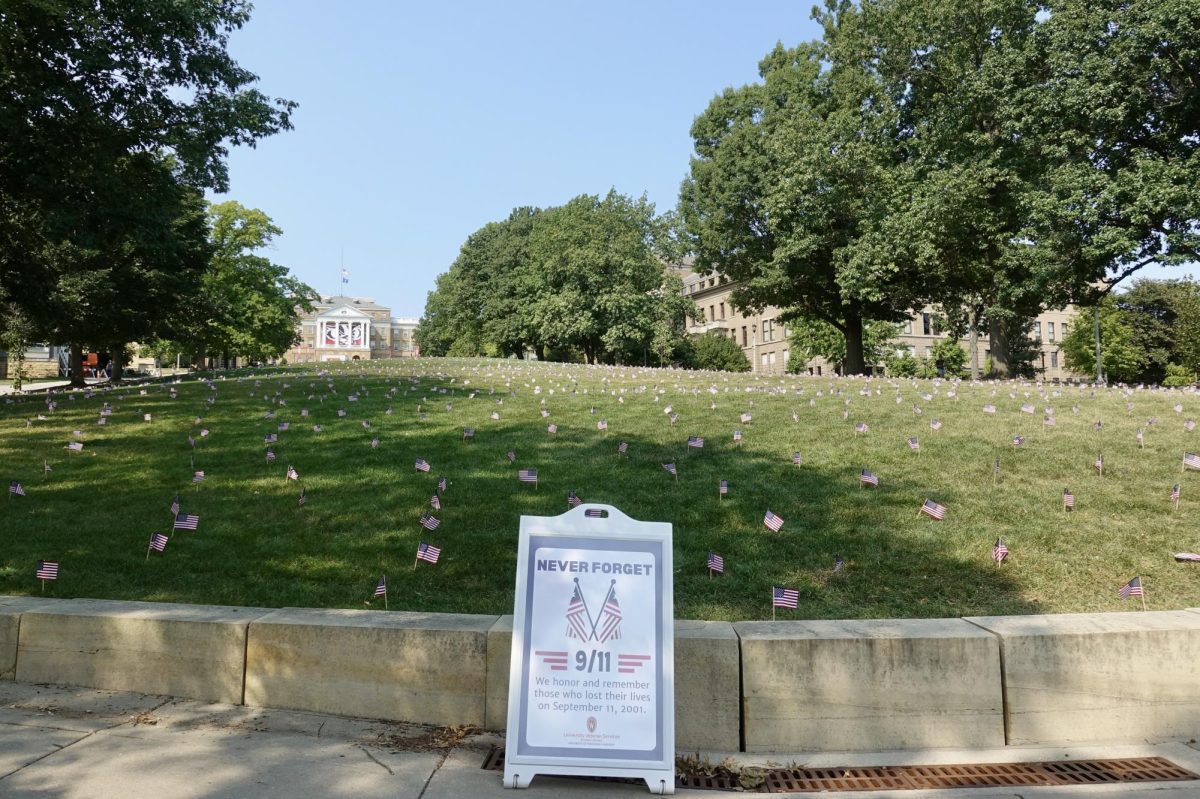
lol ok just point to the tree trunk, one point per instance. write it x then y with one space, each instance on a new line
975 314
998 340
76 365
854 346
117 367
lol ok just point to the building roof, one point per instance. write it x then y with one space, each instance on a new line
362 303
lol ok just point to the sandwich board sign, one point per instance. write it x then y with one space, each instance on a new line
592 681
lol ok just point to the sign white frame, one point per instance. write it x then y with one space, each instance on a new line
593 539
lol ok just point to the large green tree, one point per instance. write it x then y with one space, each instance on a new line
248 306
787 176
108 105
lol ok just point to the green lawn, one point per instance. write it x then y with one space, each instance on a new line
95 511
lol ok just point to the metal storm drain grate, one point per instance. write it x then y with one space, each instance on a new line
976 775
909 778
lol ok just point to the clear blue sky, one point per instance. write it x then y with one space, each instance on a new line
420 123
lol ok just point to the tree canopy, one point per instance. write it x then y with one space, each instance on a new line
113 117
586 278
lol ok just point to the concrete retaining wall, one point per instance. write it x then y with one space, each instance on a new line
427 667
869 685
758 686
196 651
1100 677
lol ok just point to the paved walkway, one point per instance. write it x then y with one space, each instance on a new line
79 742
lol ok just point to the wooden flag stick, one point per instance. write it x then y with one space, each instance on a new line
148 551
1143 595
772 611
385 607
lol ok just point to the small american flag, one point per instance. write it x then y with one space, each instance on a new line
674 418
1068 499
839 564
716 563
573 499
468 433
737 435
495 416
1099 464
746 418
420 465
1098 426
270 456
914 444
1189 425
934 510
381 586
429 521
785 598
304 413
374 442
15 487
989 408
999 550
75 446
198 477
670 467
175 506
1187 557
1178 408
696 442
435 501
623 447
797 459
147 417
552 428
158 542
1131 588
1191 460
341 412
366 425
511 455
1018 441
602 424
527 475
1175 493
773 522
723 487
428 552
270 438
47 570
303 496
292 474
594 513
861 427
935 424
441 484
866 478
46 467
317 428
187 521
1027 408
1141 439
1048 421
545 412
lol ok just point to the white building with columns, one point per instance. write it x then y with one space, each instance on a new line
343 328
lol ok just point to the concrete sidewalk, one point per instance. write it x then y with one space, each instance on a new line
80 742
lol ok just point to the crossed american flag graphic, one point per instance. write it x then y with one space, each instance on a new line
606 627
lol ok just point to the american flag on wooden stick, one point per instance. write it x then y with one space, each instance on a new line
421 465
1191 460
1131 588
785 598
47 570
773 523
15 488
381 586
527 475
934 510
1068 499
867 478
429 521
573 499
428 552
715 562
999 550
158 542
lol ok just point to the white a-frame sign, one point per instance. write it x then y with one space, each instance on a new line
592 686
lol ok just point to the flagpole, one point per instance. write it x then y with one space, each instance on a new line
148 549
385 606
1143 595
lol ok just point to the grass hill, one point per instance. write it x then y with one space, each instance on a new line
255 545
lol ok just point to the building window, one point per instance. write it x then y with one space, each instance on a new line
1064 329
925 326
908 328
768 330
712 313
744 339
785 358
1054 360
722 312
1050 330
1037 331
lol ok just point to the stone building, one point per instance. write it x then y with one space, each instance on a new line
342 328
764 338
